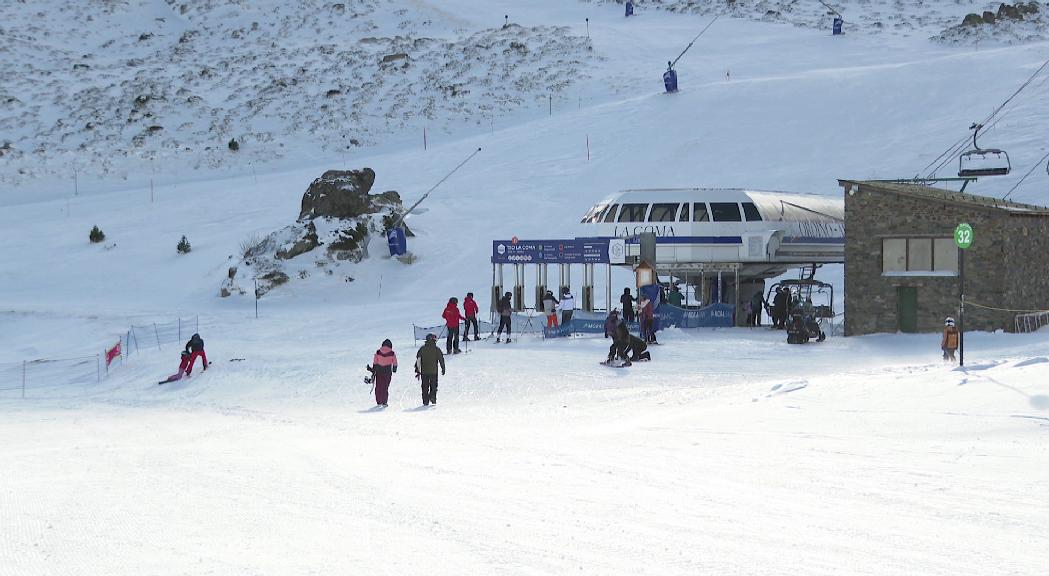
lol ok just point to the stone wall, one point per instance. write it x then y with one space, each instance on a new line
873 213
1026 262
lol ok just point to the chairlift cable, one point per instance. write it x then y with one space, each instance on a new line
950 152
1017 185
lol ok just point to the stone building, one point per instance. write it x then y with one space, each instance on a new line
901 262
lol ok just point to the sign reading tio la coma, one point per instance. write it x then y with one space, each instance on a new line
569 251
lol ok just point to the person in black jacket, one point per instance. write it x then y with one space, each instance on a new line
628 305
636 350
506 312
195 347
620 341
779 308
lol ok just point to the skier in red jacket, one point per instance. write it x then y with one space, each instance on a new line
452 318
470 309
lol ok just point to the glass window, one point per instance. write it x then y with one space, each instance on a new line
894 255
699 212
919 254
684 213
610 216
944 255
633 213
751 212
725 212
662 213
594 213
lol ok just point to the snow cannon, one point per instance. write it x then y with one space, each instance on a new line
398 242
836 26
670 80
629 8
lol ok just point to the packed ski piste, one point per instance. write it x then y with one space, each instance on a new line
726 287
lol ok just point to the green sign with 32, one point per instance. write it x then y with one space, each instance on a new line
963 235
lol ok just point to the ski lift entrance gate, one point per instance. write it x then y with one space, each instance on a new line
587 252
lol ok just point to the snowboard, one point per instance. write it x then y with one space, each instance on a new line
614 364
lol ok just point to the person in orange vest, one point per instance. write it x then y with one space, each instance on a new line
949 342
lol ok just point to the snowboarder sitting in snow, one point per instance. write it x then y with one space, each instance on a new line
384 364
181 368
506 311
949 342
470 309
195 347
427 359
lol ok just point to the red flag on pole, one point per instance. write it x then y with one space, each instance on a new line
112 354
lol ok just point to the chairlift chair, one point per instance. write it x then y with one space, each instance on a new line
983 161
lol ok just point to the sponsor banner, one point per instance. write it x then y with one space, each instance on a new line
566 251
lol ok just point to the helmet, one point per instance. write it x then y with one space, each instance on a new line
431 337
949 321
507 294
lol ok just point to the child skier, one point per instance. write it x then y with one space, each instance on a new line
181 368
384 364
550 308
949 342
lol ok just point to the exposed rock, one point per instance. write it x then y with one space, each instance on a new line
308 242
988 17
345 194
271 280
972 20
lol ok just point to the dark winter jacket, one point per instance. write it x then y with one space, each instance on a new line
628 304
779 302
756 301
429 358
610 324
621 336
195 344
675 298
470 307
636 345
505 308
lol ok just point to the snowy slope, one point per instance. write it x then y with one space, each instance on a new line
731 453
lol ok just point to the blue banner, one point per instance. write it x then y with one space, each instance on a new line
713 316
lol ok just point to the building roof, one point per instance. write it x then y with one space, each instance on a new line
951 196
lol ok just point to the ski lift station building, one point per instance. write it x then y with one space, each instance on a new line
902 263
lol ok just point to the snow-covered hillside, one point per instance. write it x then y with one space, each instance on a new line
731 453
154 85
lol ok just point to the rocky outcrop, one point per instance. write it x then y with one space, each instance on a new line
345 194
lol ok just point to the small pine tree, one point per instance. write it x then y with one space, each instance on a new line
96 235
233 144
183 245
